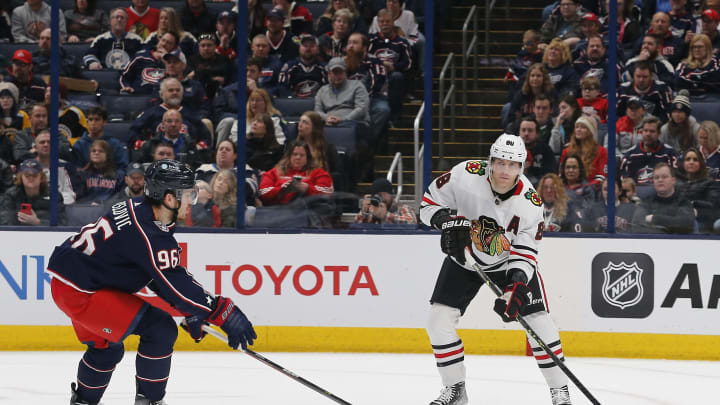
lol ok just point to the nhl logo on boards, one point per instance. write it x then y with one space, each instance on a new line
622 285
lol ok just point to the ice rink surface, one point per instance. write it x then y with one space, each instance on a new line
378 379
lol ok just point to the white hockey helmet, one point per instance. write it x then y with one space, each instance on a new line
509 147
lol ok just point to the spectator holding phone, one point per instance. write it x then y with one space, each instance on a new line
296 175
28 202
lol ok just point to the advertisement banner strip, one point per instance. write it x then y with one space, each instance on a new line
398 340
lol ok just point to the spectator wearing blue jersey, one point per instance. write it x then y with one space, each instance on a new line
113 49
303 76
147 68
558 62
210 68
282 44
99 178
699 73
28 202
709 144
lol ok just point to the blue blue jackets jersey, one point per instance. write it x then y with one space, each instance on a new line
304 80
126 250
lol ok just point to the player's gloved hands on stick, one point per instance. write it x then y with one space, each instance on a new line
455 234
193 325
515 297
233 322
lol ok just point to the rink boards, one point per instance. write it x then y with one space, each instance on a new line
655 298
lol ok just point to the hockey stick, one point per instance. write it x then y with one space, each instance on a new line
495 289
268 362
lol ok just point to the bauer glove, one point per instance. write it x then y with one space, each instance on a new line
455 234
233 322
515 297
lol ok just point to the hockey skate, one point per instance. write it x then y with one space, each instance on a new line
141 400
452 395
560 396
74 399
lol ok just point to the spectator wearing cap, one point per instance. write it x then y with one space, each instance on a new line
639 162
341 99
710 19
663 69
196 18
31 88
590 24
680 132
303 76
150 122
583 143
193 91
169 21
134 184
654 94
24 141
281 41
394 52
11 116
628 128
148 67
298 19
30 19
113 49
594 63
96 119
380 206
28 201
699 73
212 69
66 171
565 25
69 67
226 34
333 43
142 19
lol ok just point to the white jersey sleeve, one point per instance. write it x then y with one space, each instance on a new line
440 194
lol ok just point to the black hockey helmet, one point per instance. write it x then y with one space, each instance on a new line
168 176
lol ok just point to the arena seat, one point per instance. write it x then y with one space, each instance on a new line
83 101
217 8
77 50
124 107
705 111
108 80
79 214
293 108
344 138
8 49
119 130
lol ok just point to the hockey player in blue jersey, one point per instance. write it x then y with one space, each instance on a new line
96 271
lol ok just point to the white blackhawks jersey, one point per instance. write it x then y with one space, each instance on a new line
505 233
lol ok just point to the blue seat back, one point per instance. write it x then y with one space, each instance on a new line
344 138
293 108
125 107
108 80
119 130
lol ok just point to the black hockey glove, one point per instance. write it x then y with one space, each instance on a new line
515 297
233 322
193 326
455 234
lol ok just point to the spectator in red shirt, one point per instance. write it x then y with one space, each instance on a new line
583 143
296 175
142 19
592 103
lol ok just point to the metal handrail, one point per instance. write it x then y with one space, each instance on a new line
444 100
396 164
418 154
469 50
489 5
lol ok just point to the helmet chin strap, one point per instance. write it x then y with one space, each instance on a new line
174 210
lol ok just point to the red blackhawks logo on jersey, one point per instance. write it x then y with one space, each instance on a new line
489 237
476 167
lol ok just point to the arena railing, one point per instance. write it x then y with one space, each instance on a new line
445 99
468 51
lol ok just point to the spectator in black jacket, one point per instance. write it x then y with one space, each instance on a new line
667 211
31 87
697 185
196 18
282 45
596 214
69 66
28 202
655 95
542 157
185 148
211 69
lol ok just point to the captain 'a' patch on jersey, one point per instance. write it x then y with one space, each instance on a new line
505 229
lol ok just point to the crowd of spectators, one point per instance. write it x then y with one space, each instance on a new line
174 76
666 160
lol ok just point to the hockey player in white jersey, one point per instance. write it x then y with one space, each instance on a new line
492 207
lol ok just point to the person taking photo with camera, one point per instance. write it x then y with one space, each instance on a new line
380 207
